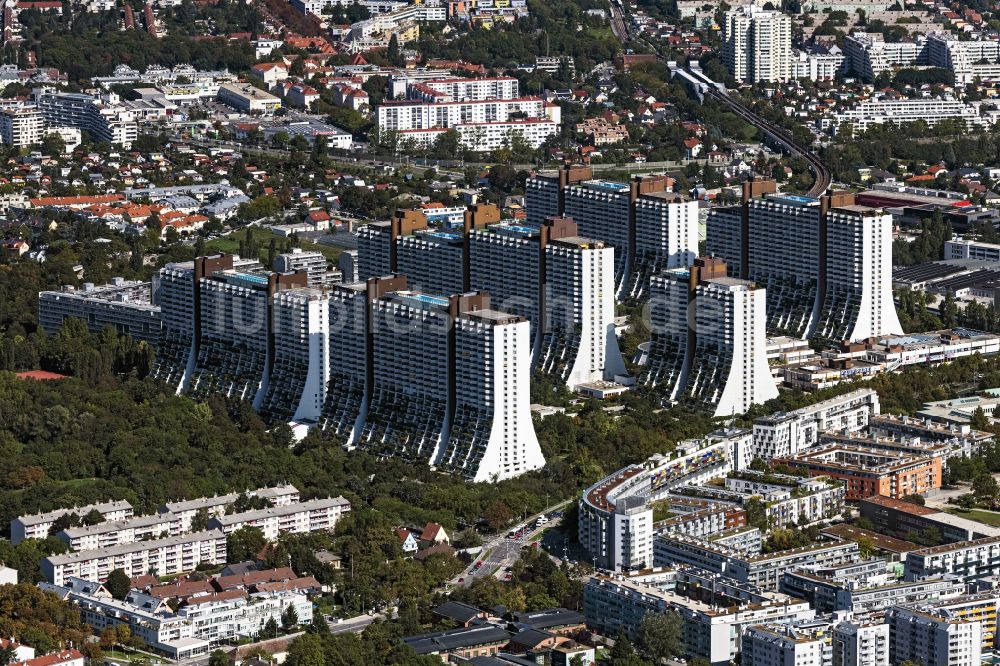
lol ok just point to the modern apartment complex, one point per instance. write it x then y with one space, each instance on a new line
102 116
458 397
21 126
560 282
857 644
124 305
933 636
868 54
969 560
757 44
299 354
708 341
871 471
881 110
716 611
764 571
202 622
833 280
804 642
462 107
650 229
787 433
616 513
332 358
312 262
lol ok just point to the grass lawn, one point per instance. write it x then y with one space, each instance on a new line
600 33
230 244
986 517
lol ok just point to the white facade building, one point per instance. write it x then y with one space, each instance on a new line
164 557
38 525
316 515
868 54
858 301
787 433
666 236
816 66
21 127
492 437
615 523
408 115
799 644
463 90
880 110
757 44
187 510
580 337
103 116
297 381
936 637
963 248
722 363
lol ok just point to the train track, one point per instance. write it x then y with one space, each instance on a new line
822 176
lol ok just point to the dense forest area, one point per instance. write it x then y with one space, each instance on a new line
91 44
550 28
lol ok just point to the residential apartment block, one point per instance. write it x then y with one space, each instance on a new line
871 471
161 557
560 282
38 525
933 637
318 515
969 560
787 433
757 44
187 510
124 305
714 618
103 116
708 343
651 229
833 278
615 523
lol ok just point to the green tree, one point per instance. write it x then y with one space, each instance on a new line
985 488
199 521
394 53
307 650
661 636
622 648
53 145
979 419
244 544
289 618
118 584
93 517
270 629
757 514
218 658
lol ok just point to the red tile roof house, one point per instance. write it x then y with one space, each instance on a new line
434 533
62 658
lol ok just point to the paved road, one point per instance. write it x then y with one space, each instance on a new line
354 624
503 552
